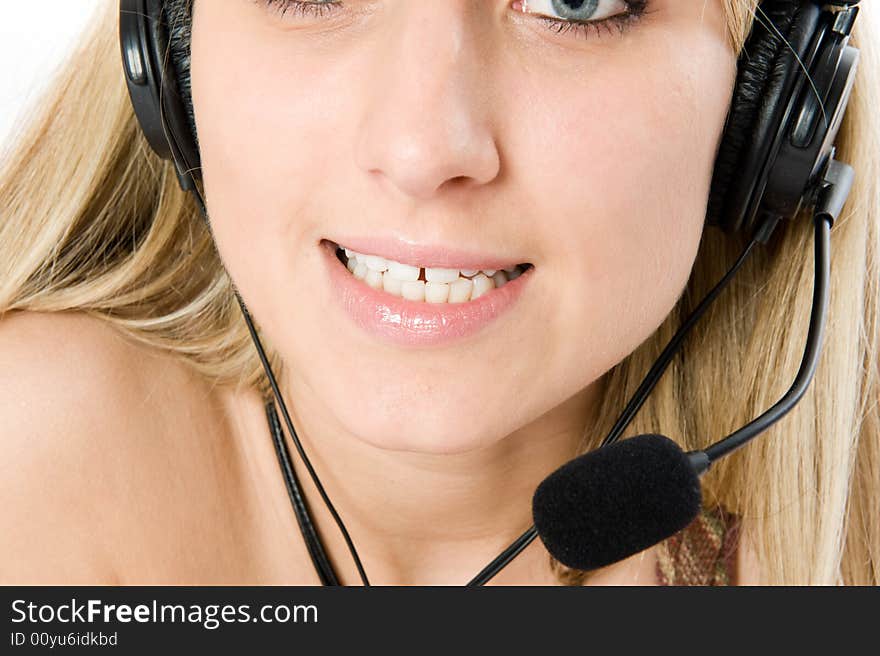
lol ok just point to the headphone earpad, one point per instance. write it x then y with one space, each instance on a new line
179 20
761 72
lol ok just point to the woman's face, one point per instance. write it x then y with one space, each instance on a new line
467 124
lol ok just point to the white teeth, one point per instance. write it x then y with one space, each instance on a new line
392 285
482 284
408 272
413 290
441 285
375 262
374 278
436 292
460 290
403 271
441 275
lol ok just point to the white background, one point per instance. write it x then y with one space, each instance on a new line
35 37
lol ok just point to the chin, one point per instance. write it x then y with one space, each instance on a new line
433 435
414 413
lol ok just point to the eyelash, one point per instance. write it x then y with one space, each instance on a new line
634 11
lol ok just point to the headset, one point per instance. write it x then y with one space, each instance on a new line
794 79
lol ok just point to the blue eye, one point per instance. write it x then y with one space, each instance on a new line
582 16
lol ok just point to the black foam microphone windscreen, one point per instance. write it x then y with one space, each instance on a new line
614 502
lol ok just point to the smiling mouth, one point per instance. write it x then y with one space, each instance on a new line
432 285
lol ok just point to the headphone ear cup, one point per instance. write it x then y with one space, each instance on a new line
756 84
165 117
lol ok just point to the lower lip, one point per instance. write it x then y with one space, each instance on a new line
416 323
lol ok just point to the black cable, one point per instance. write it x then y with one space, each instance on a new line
268 369
505 557
295 437
320 561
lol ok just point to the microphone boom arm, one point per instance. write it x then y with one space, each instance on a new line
837 183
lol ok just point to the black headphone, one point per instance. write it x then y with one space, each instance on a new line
794 79
776 157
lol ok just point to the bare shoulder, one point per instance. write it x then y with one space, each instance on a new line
76 417
63 376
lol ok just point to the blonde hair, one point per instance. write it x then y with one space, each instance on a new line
94 222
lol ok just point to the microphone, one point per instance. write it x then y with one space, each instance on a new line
616 501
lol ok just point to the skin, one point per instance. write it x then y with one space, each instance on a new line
460 122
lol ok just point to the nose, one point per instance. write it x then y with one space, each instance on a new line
427 120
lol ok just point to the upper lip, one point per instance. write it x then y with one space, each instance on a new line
421 254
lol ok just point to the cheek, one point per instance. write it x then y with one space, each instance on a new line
619 172
263 152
